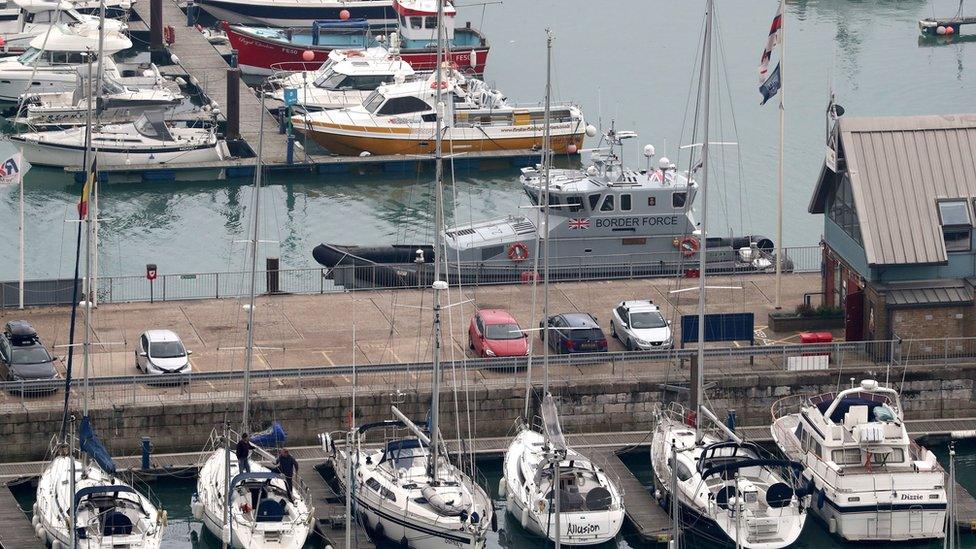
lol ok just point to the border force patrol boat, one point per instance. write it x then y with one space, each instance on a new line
607 220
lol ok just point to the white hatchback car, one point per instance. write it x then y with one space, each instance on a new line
162 352
639 324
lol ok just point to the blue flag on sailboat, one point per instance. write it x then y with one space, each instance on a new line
771 86
91 445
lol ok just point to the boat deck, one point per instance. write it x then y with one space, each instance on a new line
16 531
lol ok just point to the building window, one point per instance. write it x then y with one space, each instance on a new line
841 210
956 224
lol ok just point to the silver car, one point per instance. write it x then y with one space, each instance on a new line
161 352
639 324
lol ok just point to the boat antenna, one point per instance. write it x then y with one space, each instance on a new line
698 394
438 284
256 221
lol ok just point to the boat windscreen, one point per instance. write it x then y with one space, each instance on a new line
550 420
151 125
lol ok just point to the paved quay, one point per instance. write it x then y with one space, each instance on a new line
382 326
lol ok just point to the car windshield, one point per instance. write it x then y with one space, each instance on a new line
30 355
166 349
503 331
645 320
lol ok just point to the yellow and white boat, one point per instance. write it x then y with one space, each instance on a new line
399 118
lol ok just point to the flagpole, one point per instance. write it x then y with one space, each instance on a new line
782 123
21 280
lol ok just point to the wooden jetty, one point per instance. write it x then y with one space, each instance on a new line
16 531
330 512
651 523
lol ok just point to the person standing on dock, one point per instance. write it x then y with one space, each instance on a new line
243 452
287 466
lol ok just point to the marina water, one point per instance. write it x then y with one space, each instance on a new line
628 61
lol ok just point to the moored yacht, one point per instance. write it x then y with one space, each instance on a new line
52 62
27 19
608 219
345 80
291 13
261 49
148 140
871 481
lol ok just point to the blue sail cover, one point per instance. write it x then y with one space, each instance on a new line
91 445
271 437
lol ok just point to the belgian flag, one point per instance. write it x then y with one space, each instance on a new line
86 192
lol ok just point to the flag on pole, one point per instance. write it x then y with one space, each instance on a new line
11 170
771 85
775 35
86 191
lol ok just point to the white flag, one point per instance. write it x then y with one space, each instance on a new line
12 170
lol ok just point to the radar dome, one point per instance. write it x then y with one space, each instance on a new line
664 163
649 150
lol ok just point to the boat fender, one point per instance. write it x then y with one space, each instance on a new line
196 507
379 532
821 496
35 520
39 531
518 252
404 543
525 518
225 535
56 544
502 488
832 525
494 522
164 518
35 508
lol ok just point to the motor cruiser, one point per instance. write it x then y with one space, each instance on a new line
53 61
148 140
871 481
606 220
345 80
262 50
117 103
27 19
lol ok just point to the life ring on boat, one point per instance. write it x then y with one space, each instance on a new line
518 252
688 245
442 84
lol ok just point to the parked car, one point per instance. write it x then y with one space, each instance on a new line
639 324
494 332
23 357
575 333
161 352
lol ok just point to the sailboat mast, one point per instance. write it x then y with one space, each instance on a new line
546 164
97 92
782 124
256 221
438 242
703 236
89 161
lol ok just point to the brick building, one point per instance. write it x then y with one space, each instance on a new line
898 196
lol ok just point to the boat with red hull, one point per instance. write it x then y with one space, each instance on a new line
262 50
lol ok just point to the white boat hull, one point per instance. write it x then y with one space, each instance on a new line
45 154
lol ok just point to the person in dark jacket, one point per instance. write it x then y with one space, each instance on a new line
287 466
243 452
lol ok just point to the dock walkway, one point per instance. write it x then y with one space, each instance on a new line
651 523
16 531
330 512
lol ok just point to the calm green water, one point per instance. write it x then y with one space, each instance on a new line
629 61
184 532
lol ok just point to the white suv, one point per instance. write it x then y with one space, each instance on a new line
639 324
162 352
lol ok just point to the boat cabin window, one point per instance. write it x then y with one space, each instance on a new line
430 22
846 456
625 202
65 16
553 199
491 251
28 56
380 489
575 203
683 472
68 57
373 102
416 22
594 200
607 205
678 199
404 105
341 82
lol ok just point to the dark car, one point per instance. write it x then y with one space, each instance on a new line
23 357
575 333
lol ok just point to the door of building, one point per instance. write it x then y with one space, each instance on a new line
854 316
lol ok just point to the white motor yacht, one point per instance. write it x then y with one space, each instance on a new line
591 509
52 62
345 80
261 513
870 480
27 19
148 140
118 103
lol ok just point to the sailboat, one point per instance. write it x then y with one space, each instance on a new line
250 507
81 501
538 463
408 491
723 487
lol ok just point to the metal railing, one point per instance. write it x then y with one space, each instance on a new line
216 285
624 366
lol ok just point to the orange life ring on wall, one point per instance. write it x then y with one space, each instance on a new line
518 252
688 245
